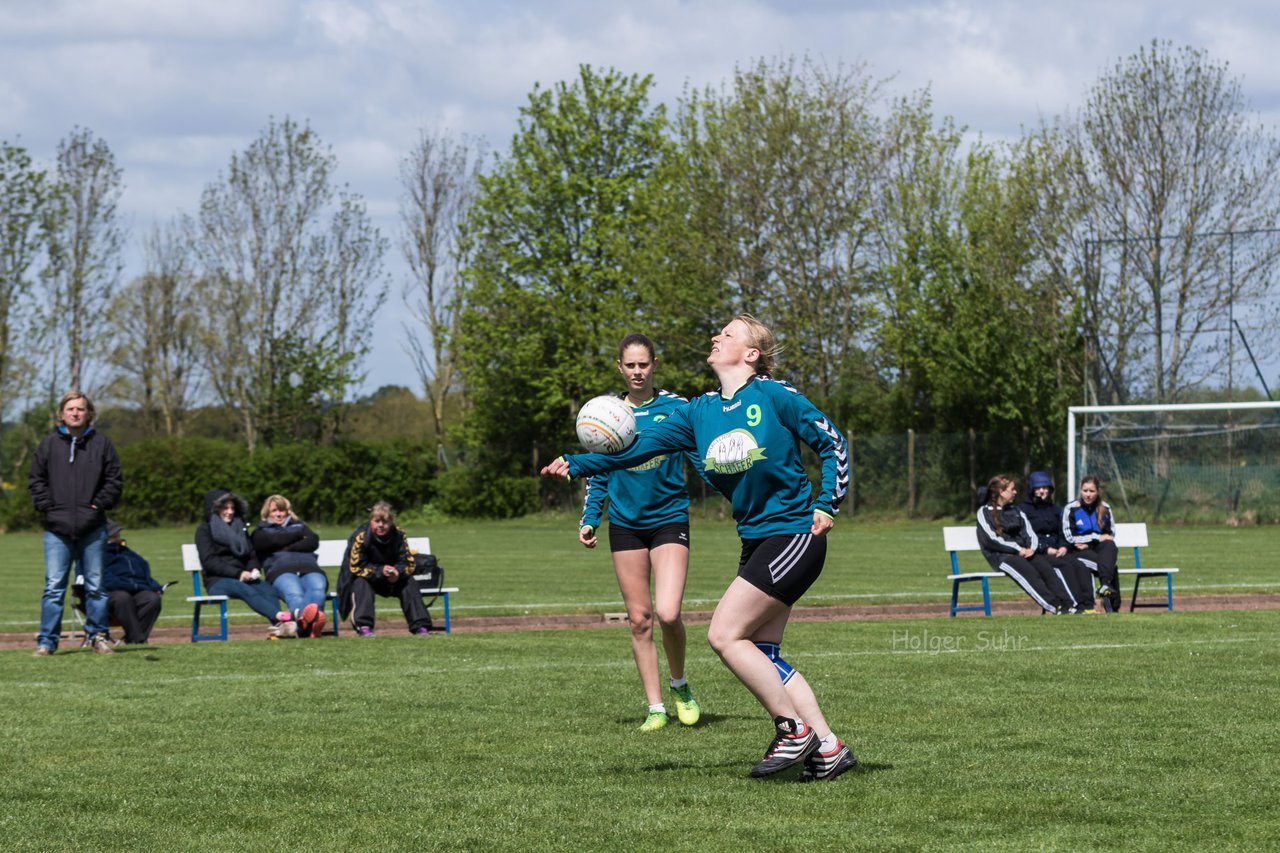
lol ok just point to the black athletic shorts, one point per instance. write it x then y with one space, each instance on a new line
783 567
625 539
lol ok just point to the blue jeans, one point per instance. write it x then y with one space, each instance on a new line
300 590
261 596
89 552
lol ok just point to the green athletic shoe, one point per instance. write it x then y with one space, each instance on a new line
687 708
653 722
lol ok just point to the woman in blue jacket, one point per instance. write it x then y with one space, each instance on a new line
747 436
648 536
1089 528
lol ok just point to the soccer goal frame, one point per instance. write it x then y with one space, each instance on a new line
1073 411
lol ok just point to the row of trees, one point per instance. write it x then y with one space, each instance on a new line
919 279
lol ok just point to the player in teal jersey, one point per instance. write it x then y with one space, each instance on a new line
747 436
648 531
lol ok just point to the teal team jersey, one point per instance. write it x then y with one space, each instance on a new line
748 447
651 494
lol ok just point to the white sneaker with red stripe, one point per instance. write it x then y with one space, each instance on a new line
825 766
791 746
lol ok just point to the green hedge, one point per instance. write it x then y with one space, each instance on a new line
166 480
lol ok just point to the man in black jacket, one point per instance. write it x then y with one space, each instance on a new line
75 478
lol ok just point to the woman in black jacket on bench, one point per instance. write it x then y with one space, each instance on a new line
228 562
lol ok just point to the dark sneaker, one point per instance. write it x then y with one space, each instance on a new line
825 766
788 749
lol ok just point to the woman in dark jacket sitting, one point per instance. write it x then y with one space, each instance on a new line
287 549
228 563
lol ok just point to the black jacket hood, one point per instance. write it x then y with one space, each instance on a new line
220 496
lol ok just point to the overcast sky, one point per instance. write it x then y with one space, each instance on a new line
176 86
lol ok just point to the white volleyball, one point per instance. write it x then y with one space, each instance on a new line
606 425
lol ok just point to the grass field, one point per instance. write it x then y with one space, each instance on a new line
536 565
1153 731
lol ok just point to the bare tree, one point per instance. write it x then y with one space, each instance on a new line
286 277
782 173
1174 171
84 254
24 193
439 177
155 334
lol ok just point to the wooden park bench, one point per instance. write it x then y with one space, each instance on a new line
1132 535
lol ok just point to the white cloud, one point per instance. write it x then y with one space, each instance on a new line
176 86
112 19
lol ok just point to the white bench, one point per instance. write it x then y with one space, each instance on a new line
329 555
1133 535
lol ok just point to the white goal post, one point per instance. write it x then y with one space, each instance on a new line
1073 411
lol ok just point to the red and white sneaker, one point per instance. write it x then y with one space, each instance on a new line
825 766
788 749
306 619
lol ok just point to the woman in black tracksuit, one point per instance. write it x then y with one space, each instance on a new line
1090 531
1009 543
1046 521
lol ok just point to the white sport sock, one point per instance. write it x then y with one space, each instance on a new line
829 742
677 683
658 708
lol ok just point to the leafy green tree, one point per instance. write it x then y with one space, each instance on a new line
781 169
557 240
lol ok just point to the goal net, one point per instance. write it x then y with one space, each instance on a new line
1211 461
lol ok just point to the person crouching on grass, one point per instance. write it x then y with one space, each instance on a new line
378 562
748 434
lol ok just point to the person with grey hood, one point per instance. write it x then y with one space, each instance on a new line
229 564
75 478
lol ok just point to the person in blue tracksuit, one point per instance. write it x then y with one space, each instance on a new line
747 436
648 534
1046 520
1089 529
1009 544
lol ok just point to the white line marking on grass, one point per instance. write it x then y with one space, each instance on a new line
621 662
